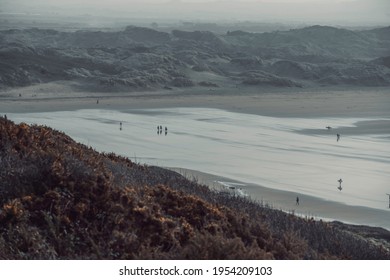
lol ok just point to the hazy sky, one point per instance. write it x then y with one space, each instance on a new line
354 12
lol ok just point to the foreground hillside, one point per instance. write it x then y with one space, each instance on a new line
141 58
63 200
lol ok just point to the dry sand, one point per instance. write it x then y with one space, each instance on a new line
294 102
307 103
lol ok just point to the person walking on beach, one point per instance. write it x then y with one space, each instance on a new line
340 181
338 137
297 201
120 126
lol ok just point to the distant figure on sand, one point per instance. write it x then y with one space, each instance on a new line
166 130
297 201
340 181
338 137
97 101
120 126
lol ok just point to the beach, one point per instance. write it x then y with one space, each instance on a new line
361 117
277 102
309 206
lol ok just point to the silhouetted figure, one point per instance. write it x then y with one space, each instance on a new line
120 126
166 131
297 201
329 127
338 137
5 117
97 101
340 181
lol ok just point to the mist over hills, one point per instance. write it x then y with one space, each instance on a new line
326 12
139 58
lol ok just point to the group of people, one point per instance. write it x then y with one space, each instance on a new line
160 130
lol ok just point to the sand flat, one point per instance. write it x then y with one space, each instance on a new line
368 109
309 206
306 103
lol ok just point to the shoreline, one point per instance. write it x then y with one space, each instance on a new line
309 206
308 103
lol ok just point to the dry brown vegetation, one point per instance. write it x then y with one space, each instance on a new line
63 200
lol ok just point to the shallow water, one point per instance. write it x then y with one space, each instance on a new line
268 151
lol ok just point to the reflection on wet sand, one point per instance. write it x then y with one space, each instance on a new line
280 153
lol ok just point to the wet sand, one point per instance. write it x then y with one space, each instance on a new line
303 103
373 127
309 206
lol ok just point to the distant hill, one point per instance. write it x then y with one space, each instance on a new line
385 61
380 34
63 200
139 58
318 40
